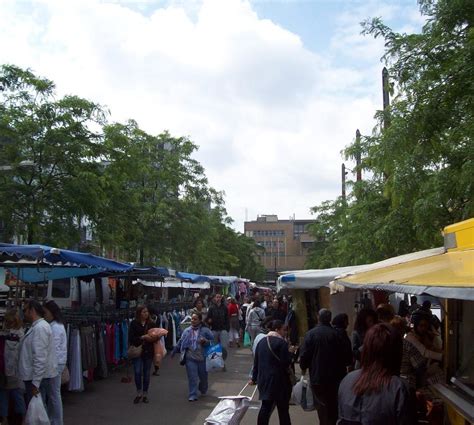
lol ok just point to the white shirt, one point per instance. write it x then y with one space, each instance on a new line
38 354
60 342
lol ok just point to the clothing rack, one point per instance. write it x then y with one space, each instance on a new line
170 306
89 317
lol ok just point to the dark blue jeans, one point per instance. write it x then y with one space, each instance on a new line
142 368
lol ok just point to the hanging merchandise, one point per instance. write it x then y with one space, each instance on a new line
76 382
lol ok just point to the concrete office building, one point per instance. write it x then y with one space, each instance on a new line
286 243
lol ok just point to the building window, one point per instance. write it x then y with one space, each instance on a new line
299 229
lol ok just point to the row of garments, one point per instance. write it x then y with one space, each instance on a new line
95 347
92 348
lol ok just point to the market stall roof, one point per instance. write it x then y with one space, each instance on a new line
173 284
223 280
192 277
215 280
10 252
40 274
153 271
443 272
49 255
310 279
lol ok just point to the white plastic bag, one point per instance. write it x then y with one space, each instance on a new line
229 411
214 358
303 396
36 413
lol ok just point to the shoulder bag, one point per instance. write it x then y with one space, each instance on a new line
133 351
289 371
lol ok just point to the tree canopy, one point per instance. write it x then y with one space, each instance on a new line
420 158
66 171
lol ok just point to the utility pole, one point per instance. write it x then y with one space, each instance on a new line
358 157
386 97
343 180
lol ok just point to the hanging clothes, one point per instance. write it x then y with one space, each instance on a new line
76 382
117 353
124 339
102 370
109 344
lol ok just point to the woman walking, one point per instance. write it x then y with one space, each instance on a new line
138 337
255 318
191 346
375 394
234 334
271 373
52 314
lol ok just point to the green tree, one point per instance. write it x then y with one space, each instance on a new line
145 197
421 165
48 199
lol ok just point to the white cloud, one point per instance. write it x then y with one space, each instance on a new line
270 116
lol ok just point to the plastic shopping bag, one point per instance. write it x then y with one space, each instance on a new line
214 358
303 396
159 345
229 411
247 342
160 352
36 413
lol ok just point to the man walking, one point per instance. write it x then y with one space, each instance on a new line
218 320
321 354
37 360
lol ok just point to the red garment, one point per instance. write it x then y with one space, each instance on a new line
233 309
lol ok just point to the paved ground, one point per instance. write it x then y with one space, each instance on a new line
109 402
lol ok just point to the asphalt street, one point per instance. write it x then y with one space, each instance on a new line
110 402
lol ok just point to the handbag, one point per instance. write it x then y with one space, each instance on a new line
289 371
134 352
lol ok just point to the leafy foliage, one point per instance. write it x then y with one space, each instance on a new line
65 169
421 165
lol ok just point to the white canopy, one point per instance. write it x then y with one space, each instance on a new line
318 278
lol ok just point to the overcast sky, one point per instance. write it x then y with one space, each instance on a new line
271 91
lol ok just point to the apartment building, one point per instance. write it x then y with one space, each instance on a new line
286 243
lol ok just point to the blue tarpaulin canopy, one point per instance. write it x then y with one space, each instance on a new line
46 254
192 277
16 252
43 274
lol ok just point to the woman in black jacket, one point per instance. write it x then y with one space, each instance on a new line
270 372
138 336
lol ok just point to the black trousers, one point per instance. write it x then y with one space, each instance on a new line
266 410
326 403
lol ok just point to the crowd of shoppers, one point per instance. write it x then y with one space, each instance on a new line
371 378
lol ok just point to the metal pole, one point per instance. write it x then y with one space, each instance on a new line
358 157
343 179
386 97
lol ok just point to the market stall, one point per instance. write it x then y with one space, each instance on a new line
447 273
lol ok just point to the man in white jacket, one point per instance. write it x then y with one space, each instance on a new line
37 362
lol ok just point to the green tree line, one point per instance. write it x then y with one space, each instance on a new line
65 168
419 160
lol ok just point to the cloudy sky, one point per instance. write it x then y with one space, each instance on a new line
270 90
